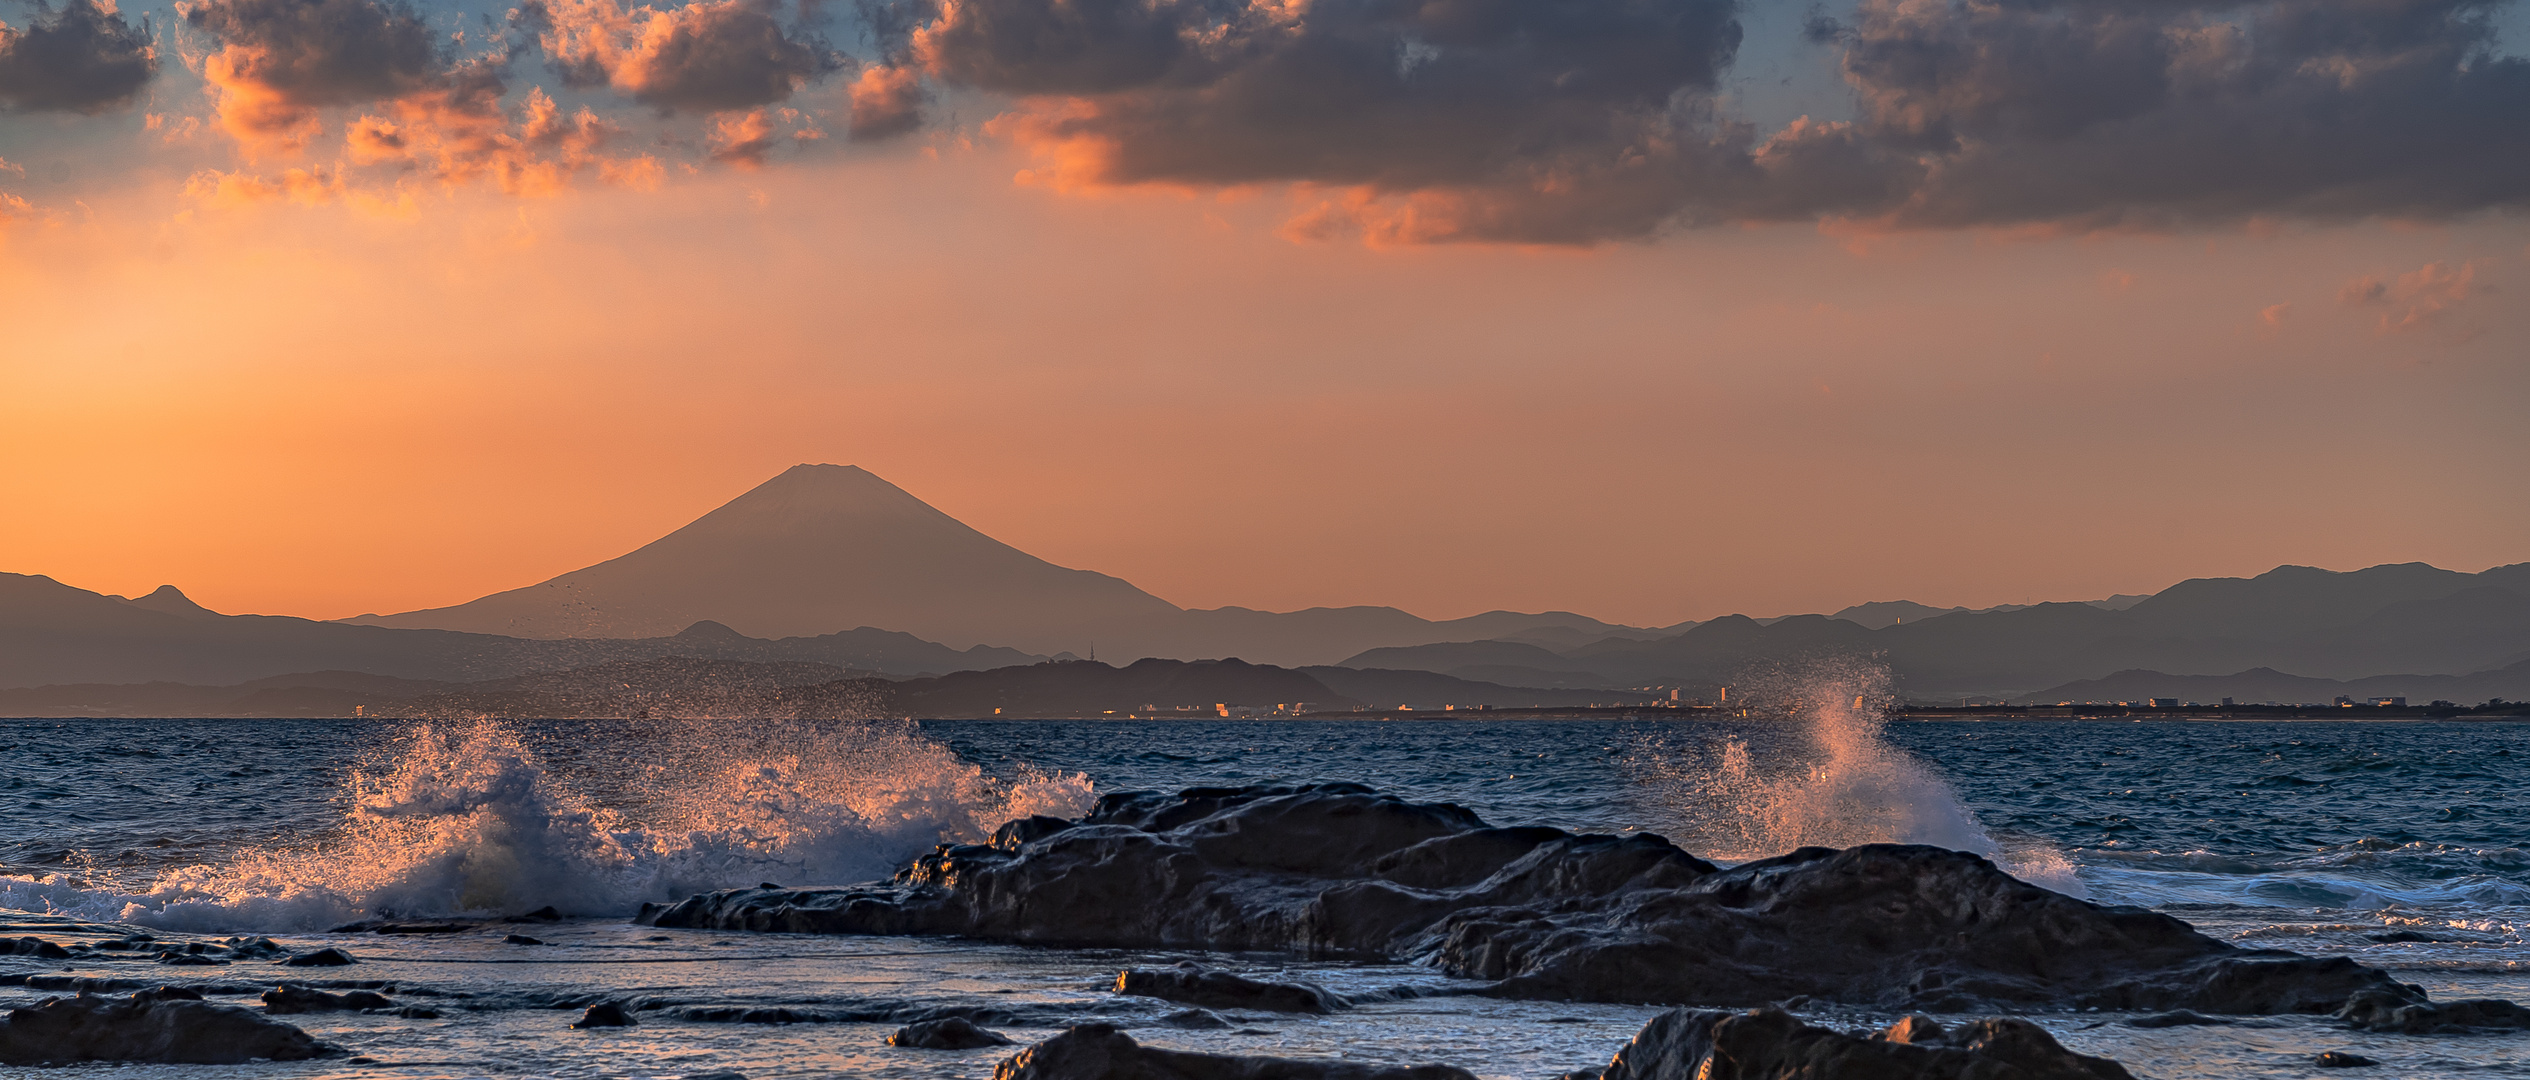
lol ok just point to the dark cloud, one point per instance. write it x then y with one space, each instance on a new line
1576 121
310 53
886 102
81 58
2097 114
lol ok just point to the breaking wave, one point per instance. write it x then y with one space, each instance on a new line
466 818
1823 775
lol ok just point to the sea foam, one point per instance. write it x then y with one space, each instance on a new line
1831 780
465 818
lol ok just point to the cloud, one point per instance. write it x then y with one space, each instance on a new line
83 58
2418 299
2101 115
711 56
886 102
1564 121
282 60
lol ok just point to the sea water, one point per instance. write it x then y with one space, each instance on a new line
2397 844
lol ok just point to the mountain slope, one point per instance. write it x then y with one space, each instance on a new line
817 549
824 547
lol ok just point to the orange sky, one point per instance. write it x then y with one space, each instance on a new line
325 410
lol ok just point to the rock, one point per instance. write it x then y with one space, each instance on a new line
2405 937
2339 1059
520 939
1770 1044
542 914
604 1014
326 957
951 1033
2406 1015
287 998
1336 870
1193 984
190 960
2178 1018
1195 1020
36 947
1100 1052
421 928
162 1028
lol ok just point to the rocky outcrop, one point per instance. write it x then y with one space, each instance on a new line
161 1028
1193 984
1337 870
325 957
286 999
948 1033
1100 1052
2405 1015
1770 1044
604 1014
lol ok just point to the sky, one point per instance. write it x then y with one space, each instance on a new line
1649 309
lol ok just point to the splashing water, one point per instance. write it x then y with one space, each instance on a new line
466 818
1835 782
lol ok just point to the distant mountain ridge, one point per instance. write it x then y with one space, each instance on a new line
2404 619
822 547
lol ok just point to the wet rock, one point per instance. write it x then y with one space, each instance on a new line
521 939
604 1014
2178 1018
1013 834
147 1027
288 999
1193 984
1336 870
190 960
2339 1059
1100 1052
2406 937
326 957
36 947
542 914
1770 1044
952 1033
1195 1020
2407 1015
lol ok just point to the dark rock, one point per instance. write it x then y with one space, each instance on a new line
2405 937
159 1028
1193 984
326 957
604 1014
2178 1018
422 928
2339 1059
951 1033
542 914
2406 1015
520 939
286 999
1770 1044
190 960
1100 1052
1336 870
1017 833
1195 1020
36 947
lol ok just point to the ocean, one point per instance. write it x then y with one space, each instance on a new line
2397 844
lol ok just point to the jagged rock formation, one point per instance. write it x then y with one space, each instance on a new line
1337 870
1770 1044
166 1026
1100 1052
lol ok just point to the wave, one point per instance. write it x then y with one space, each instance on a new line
1829 778
464 818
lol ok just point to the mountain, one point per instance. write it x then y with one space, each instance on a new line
52 634
2406 619
822 547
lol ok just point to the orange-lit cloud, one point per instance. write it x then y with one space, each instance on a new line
2417 299
710 55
